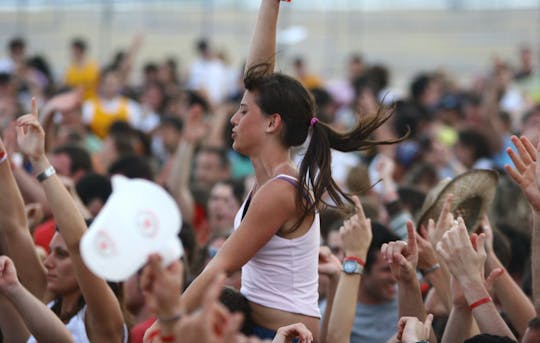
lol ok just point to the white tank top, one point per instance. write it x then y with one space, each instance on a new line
283 273
77 328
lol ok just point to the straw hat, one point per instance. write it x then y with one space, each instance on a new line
473 192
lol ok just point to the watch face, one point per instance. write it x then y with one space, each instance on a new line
349 266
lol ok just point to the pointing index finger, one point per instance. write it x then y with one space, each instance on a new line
34 108
358 206
411 237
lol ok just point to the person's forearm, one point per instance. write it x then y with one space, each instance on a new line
11 201
193 296
459 325
535 264
515 303
178 179
410 300
343 308
486 315
43 324
14 225
30 189
11 323
410 303
330 294
440 279
66 214
263 44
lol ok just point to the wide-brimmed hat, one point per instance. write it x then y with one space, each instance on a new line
473 192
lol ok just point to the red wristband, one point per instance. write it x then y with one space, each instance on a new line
167 338
3 156
153 334
479 302
354 258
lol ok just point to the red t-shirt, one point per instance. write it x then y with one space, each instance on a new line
44 233
137 332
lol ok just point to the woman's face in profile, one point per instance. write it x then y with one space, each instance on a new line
60 273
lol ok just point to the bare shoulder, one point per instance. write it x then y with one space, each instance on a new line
276 193
279 188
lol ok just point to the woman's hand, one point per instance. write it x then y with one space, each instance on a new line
402 256
465 259
411 329
444 222
30 135
356 232
8 276
162 287
289 332
329 264
525 174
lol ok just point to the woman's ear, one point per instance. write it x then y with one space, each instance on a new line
274 123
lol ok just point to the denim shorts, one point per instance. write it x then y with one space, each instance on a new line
264 333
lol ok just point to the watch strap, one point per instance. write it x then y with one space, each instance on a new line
357 259
44 175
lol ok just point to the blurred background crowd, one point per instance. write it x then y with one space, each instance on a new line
147 89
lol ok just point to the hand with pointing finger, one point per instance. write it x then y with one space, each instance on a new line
402 256
30 134
356 232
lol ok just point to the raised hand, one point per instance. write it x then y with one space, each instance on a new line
525 174
30 134
213 323
444 222
8 275
411 329
356 232
65 102
195 128
402 256
465 262
289 332
162 286
329 264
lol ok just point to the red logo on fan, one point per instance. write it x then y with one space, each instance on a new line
104 244
147 223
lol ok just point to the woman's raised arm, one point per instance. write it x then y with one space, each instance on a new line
104 321
263 43
14 228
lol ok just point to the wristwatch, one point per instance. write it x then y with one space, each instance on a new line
352 265
44 175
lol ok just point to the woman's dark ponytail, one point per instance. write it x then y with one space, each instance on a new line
315 169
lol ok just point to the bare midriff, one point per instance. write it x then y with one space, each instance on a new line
273 319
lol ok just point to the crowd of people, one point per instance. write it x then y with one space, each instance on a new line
313 210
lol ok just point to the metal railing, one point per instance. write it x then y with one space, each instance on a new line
318 5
